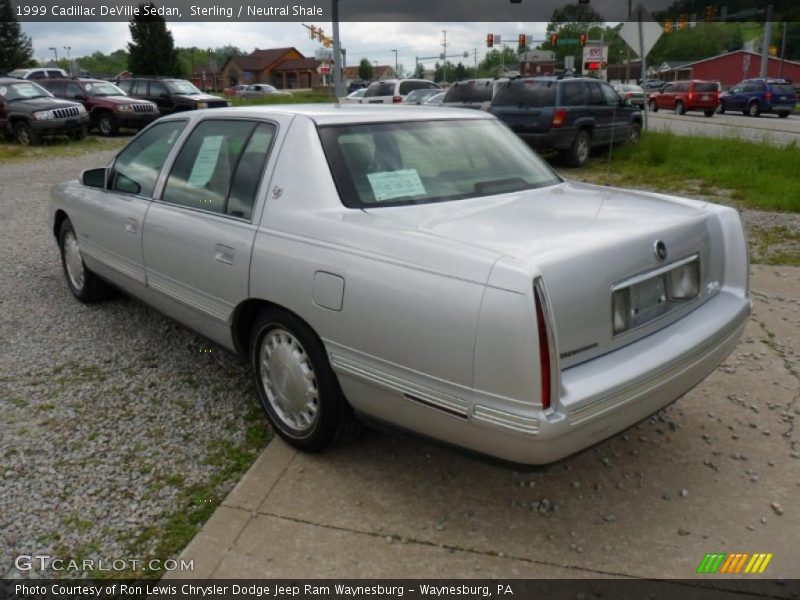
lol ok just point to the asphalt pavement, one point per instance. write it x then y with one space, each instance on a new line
718 471
767 128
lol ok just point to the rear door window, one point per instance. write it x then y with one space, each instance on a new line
140 87
612 99
530 93
596 97
572 94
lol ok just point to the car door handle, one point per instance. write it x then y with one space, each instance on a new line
131 226
224 254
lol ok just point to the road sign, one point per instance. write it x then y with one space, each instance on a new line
651 30
567 41
569 63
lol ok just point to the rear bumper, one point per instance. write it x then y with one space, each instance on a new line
558 139
598 398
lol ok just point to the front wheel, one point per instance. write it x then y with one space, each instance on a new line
721 109
107 125
754 109
84 285
636 134
578 153
709 112
653 106
25 135
296 385
783 115
679 108
79 134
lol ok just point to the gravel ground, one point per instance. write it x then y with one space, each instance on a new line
117 422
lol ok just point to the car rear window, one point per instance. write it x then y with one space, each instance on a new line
707 86
417 162
380 89
470 91
783 88
533 93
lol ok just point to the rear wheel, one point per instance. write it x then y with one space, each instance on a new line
578 152
25 135
653 106
296 385
709 112
754 109
84 285
721 109
783 115
679 109
108 125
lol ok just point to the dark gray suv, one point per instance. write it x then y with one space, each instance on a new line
571 115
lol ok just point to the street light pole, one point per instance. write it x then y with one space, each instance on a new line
55 51
338 86
396 74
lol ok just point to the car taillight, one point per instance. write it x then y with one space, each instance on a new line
559 117
397 99
768 96
544 351
691 95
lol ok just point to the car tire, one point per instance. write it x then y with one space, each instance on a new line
25 135
578 153
783 115
653 106
83 283
753 109
296 386
107 125
635 135
679 108
709 112
721 109
79 134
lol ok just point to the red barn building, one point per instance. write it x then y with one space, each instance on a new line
731 68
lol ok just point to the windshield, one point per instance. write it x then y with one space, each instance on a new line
418 162
182 87
102 88
532 93
23 91
380 89
470 91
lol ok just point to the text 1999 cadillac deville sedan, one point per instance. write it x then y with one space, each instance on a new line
422 267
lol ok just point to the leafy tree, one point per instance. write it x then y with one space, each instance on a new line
16 49
365 70
419 72
460 71
694 43
792 39
99 64
222 54
495 60
152 49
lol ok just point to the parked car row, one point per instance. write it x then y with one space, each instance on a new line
570 115
38 103
751 97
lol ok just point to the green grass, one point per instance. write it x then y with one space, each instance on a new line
295 98
755 175
57 147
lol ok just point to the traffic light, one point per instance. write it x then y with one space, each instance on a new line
582 39
489 40
668 27
683 21
711 13
554 39
521 42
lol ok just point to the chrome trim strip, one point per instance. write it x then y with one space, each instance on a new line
507 420
631 392
114 261
412 391
181 292
654 273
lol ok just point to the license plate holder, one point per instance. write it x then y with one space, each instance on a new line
648 299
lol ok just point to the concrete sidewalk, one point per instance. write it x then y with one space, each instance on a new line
719 471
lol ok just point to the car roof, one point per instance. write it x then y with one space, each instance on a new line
344 114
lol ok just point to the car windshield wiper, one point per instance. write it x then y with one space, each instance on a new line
501 186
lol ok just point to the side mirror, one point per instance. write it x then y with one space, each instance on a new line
95 178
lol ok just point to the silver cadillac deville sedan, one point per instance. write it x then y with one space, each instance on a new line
420 267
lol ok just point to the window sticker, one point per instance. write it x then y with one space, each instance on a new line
3 91
88 86
206 161
388 185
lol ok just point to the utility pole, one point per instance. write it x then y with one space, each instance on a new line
765 44
783 49
627 50
396 74
55 51
641 55
444 54
338 84
475 56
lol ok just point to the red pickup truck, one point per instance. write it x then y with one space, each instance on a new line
682 96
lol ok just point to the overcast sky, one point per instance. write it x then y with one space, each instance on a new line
372 40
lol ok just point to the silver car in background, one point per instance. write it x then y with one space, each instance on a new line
632 93
420 267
